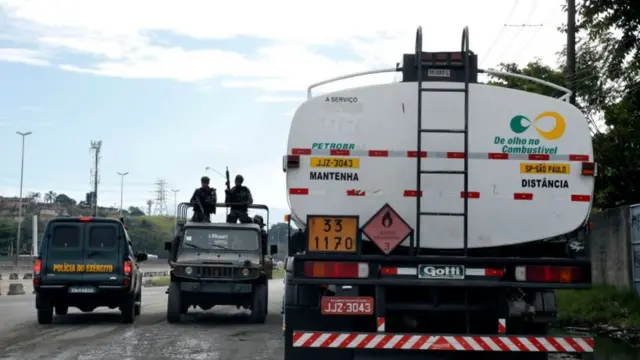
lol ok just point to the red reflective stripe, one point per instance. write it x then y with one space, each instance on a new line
455 155
498 156
411 193
578 157
298 191
539 157
301 151
582 198
378 153
339 152
523 196
470 194
389 271
414 154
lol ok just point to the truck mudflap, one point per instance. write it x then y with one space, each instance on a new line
424 342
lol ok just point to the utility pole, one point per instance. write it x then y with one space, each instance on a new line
571 50
17 259
96 146
122 175
175 203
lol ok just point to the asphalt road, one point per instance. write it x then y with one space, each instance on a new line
218 334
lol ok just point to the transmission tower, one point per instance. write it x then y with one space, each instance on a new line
96 146
161 198
149 203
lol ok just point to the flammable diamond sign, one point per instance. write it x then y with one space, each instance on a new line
387 229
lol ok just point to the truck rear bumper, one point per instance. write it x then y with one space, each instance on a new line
424 342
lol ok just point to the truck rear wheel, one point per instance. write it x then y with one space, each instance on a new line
174 303
259 304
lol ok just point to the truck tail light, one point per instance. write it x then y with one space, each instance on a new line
588 169
336 269
127 267
548 274
293 161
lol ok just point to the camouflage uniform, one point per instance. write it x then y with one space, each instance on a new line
207 198
239 194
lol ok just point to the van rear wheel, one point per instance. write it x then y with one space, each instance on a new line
127 309
45 316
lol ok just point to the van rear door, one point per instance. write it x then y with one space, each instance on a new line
102 252
65 253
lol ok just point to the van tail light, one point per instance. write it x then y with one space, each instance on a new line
37 266
549 274
85 218
127 267
588 169
336 269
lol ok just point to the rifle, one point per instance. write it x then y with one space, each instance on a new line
228 182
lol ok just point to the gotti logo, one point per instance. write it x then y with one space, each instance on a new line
441 271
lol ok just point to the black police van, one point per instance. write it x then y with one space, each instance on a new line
87 262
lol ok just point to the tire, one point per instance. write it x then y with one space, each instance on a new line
127 309
45 316
62 310
174 303
138 307
259 304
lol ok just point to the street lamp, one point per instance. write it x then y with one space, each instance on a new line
17 259
122 175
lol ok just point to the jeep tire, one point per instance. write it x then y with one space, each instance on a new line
174 303
127 308
259 304
138 307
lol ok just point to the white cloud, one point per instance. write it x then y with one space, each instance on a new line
121 36
24 56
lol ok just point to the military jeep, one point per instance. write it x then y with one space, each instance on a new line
218 264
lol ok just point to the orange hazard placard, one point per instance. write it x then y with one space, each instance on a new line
387 229
333 233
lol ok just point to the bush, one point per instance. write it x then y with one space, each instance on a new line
601 305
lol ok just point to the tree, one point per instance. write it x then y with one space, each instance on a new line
135 211
615 23
63 199
34 197
50 197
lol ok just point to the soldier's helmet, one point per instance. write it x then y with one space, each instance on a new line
239 179
204 180
258 220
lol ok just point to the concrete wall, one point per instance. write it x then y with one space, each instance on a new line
610 246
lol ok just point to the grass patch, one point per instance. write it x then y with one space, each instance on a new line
601 305
278 273
160 281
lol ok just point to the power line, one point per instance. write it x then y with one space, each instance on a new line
495 41
520 28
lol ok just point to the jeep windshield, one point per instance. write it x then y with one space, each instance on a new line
220 239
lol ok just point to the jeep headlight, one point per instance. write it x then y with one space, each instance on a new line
188 270
246 272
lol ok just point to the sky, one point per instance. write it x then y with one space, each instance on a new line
172 87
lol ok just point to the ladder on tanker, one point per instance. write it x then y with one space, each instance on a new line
466 58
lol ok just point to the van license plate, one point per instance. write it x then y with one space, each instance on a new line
347 305
82 290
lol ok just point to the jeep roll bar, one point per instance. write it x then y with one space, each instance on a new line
183 208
